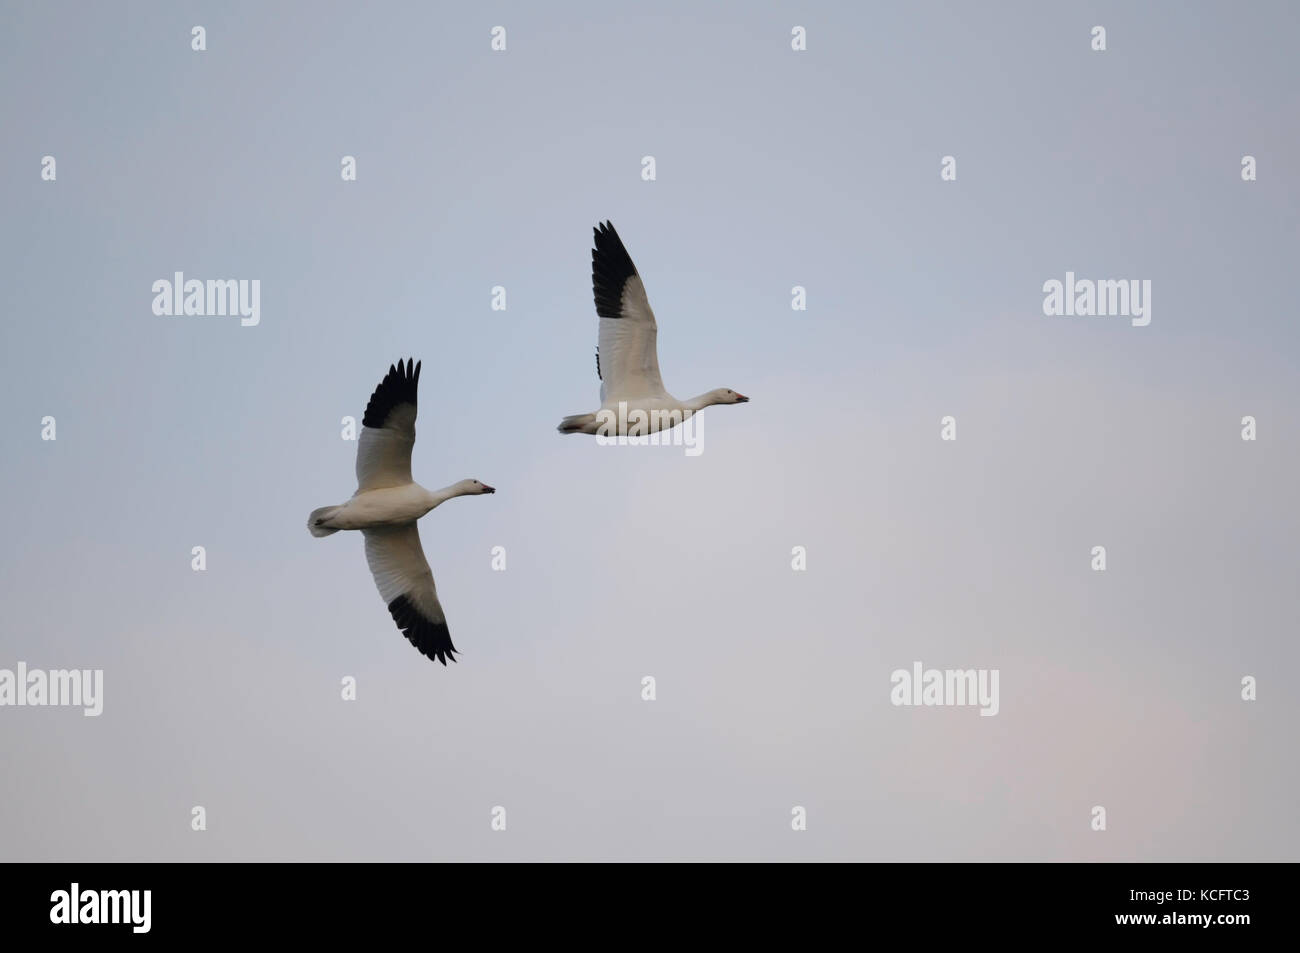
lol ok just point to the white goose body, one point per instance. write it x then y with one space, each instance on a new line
390 506
385 509
627 353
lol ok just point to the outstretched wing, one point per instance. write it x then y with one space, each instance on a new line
388 430
405 582
628 355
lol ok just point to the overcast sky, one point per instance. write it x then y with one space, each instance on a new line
774 168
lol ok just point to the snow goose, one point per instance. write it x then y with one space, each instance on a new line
385 508
627 355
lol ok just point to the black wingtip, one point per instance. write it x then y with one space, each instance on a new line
611 267
399 386
433 639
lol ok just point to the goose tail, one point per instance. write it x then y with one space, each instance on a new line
315 522
578 423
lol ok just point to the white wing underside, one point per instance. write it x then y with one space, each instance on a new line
629 351
384 453
400 568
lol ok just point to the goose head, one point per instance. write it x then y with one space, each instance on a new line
725 395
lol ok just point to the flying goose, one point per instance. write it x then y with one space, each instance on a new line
627 356
385 508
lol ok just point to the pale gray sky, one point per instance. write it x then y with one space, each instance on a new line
775 169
